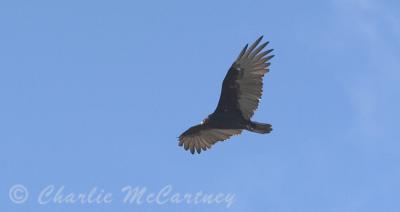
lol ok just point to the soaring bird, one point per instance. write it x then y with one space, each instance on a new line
240 94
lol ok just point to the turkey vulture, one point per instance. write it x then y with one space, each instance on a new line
240 95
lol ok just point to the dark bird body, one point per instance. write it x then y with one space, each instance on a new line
240 94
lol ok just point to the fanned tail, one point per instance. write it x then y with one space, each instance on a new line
259 127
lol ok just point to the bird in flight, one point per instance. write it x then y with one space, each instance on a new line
240 94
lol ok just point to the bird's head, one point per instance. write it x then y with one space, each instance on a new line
205 121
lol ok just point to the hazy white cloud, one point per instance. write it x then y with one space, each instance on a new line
377 26
370 30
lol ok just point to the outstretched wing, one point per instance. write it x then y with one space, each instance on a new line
243 84
202 137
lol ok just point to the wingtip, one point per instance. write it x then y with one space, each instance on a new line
257 41
269 51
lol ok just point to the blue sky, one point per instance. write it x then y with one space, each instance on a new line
94 94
